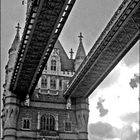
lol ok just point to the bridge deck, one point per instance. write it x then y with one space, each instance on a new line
116 40
43 26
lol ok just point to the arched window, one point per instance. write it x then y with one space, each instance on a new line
44 82
53 83
48 123
53 65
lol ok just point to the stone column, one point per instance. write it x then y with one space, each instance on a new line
38 121
48 82
10 116
57 83
56 120
82 115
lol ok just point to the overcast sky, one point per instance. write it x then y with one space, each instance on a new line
114 104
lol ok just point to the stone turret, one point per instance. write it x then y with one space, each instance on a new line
80 55
82 104
10 102
12 57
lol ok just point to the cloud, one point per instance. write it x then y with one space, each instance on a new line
132 57
100 131
100 107
131 118
134 81
105 131
127 133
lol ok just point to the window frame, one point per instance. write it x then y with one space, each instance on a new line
67 129
60 84
26 119
44 82
53 65
46 67
48 123
53 83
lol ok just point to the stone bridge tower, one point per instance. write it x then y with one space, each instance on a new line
11 104
47 115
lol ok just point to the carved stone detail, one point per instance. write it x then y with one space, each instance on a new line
27 101
68 105
82 121
82 114
10 115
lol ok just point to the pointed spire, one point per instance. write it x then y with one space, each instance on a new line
80 37
81 51
16 39
18 28
23 2
71 53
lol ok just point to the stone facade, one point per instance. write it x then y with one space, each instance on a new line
47 115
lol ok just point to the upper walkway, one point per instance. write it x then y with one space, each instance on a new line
119 36
44 23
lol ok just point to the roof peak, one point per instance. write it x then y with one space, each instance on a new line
81 51
16 39
18 28
80 37
66 63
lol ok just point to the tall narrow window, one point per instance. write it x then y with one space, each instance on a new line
44 82
67 126
46 67
60 84
26 122
48 123
53 65
53 83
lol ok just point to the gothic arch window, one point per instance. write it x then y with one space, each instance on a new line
53 65
48 122
53 83
44 82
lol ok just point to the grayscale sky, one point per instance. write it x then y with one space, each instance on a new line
89 17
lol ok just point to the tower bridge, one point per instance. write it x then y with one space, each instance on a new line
46 92
44 22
